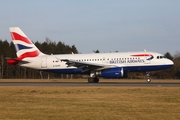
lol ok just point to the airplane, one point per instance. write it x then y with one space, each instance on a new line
106 65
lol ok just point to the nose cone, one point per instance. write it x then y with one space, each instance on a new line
170 63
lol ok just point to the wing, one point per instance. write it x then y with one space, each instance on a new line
86 65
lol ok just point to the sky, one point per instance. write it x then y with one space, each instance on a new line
104 25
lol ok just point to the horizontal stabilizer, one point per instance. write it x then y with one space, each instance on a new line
15 61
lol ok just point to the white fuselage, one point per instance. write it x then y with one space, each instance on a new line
130 61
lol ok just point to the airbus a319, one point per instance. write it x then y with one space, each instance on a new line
107 65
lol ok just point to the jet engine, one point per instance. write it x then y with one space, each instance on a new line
112 73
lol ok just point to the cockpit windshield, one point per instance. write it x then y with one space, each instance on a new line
160 57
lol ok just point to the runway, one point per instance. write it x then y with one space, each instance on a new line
90 84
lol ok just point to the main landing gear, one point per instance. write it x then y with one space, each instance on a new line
148 79
93 79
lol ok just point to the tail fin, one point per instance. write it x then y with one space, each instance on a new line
24 47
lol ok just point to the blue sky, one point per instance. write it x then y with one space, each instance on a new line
106 25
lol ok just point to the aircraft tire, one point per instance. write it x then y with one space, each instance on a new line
96 80
90 80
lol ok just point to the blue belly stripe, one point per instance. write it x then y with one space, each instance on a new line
128 69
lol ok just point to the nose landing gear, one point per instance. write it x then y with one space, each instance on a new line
148 79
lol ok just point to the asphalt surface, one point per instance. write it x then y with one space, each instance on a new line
89 84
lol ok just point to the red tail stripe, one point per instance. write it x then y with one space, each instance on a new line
16 36
29 54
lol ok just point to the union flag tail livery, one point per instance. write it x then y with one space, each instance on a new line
107 65
23 45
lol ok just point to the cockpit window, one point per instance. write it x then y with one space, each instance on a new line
160 57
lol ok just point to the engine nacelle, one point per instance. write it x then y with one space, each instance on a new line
111 73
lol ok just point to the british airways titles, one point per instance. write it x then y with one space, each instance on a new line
127 61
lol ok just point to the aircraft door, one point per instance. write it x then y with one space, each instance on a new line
44 62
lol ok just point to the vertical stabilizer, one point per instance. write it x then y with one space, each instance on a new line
24 47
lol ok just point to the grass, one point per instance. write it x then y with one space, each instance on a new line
89 103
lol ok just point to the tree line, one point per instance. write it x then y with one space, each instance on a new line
48 47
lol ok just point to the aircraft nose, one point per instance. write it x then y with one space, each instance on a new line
169 62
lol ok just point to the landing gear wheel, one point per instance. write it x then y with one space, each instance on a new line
96 80
90 80
93 80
